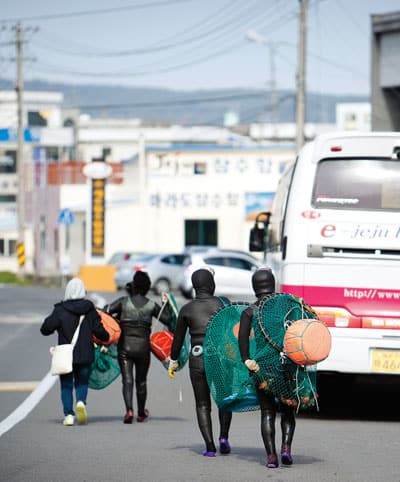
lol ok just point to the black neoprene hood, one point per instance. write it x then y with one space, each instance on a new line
203 280
263 281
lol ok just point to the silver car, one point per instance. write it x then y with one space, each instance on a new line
165 270
233 271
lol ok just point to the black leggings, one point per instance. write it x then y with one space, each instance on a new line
142 364
269 407
203 404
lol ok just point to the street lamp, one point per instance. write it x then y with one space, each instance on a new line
254 36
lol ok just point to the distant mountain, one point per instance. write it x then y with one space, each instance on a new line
191 107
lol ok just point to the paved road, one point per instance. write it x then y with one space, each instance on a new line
327 447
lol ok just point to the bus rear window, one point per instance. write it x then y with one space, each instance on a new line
357 184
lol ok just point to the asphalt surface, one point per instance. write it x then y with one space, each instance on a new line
327 447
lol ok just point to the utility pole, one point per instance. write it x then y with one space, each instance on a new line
20 154
301 74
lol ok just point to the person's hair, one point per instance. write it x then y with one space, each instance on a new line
140 283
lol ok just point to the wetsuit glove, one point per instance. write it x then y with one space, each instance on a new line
252 365
172 367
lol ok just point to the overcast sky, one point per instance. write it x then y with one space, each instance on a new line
191 44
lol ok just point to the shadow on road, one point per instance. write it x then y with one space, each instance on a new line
357 398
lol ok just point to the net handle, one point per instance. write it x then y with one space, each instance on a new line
259 321
157 326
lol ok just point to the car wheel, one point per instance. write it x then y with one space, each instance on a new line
162 285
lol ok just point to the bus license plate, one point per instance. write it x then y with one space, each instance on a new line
385 361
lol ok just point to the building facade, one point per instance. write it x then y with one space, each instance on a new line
385 79
45 140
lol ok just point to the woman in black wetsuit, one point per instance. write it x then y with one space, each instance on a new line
195 316
135 313
263 282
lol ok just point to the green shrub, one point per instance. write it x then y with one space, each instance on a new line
12 278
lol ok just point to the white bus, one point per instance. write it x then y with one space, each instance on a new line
333 239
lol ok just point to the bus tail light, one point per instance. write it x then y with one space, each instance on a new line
338 318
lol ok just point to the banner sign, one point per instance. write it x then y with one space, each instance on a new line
98 216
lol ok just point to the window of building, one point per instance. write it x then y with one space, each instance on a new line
201 232
52 153
8 198
8 162
200 168
12 247
8 247
37 119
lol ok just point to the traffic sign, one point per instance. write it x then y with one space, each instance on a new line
21 254
66 216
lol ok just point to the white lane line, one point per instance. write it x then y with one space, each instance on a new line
28 404
23 319
18 386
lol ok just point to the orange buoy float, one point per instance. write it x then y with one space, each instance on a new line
111 326
161 344
307 341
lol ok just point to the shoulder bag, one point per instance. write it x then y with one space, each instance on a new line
62 355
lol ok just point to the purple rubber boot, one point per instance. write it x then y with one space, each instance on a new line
272 461
209 453
224 447
286 456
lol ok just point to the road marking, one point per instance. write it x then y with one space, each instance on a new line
23 319
18 386
28 404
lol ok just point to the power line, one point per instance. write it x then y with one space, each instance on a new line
96 11
192 61
212 34
173 102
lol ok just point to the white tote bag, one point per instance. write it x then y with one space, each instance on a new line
62 355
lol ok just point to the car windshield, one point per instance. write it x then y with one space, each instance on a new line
357 184
143 257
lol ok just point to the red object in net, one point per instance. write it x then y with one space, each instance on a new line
111 326
161 343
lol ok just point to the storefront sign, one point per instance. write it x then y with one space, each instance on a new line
194 200
98 216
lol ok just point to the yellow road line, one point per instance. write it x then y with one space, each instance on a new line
18 386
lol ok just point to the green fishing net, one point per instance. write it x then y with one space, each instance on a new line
229 380
290 383
105 368
231 384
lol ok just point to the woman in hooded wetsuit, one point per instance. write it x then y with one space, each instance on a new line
195 316
135 313
263 282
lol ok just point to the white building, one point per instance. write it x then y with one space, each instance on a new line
170 187
44 139
353 116
178 195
